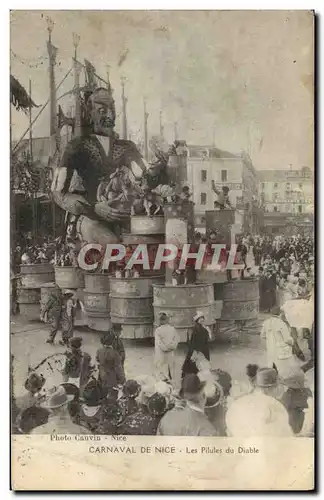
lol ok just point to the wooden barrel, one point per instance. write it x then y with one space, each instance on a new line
181 303
210 276
35 275
142 224
152 241
96 282
241 300
97 308
69 277
131 300
46 291
29 302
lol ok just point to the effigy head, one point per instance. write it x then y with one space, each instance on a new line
101 112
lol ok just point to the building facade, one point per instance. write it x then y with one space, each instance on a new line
207 164
287 191
287 198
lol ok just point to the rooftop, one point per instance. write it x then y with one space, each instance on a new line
209 152
284 175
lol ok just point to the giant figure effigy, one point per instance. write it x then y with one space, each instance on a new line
95 164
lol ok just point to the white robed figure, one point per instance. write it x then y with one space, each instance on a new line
279 344
166 342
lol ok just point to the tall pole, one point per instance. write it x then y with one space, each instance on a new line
124 102
31 159
52 51
77 71
12 193
30 124
53 118
161 126
175 131
146 115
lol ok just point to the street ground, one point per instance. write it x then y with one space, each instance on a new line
28 345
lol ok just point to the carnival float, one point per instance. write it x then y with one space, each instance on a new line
111 193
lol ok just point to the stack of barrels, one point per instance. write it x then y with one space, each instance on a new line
96 301
147 231
182 302
131 298
32 277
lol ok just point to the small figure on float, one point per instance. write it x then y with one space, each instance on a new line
223 200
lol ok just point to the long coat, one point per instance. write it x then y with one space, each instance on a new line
111 372
199 342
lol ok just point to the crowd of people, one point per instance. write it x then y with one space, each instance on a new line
44 250
286 269
95 396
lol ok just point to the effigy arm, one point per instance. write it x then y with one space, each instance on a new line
71 202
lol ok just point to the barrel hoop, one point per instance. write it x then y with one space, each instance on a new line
241 301
92 314
157 276
166 306
131 321
117 296
185 327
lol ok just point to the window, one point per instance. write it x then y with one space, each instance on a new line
300 209
262 185
287 186
275 185
300 186
203 198
275 196
203 175
275 209
224 175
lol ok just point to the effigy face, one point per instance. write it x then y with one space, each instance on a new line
102 113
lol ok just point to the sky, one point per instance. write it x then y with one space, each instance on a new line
240 79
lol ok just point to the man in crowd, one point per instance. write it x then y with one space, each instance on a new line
259 413
61 314
77 369
59 421
118 343
166 342
188 419
111 372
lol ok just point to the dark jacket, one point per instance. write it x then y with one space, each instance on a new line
104 420
199 341
119 347
78 364
141 423
128 406
111 372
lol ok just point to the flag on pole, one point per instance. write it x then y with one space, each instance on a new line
90 74
19 96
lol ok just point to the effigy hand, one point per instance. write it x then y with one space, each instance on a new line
109 213
82 207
